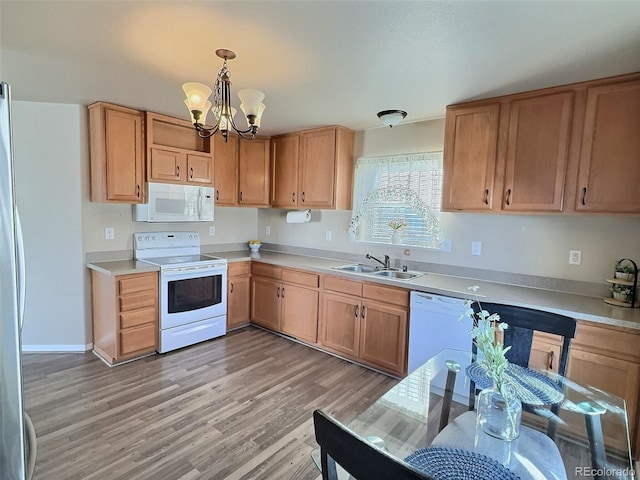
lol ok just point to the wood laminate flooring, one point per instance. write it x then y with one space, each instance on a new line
237 407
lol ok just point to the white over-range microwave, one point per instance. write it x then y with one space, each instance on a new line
175 203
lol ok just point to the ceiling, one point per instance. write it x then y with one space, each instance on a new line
318 62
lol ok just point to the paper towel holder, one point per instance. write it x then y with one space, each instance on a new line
299 216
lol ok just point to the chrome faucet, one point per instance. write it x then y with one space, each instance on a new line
386 263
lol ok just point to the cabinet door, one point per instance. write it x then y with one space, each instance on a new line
265 302
199 169
340 324
470 150
238 301
609 172
544 355
253 173
225 170
383 337
137 341
284 171
537 149
317 168
300 312
166 166
618 377
122 154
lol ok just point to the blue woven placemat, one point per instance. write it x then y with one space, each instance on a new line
531 387
444 463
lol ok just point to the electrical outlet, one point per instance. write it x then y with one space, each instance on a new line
267 230
476 248
327 235
575 257
109 233
212 231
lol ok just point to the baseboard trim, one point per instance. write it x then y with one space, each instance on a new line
57 348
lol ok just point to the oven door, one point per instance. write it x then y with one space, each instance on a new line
192 294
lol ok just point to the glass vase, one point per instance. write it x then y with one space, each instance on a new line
497 417
395 237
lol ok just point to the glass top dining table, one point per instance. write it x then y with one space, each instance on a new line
406 419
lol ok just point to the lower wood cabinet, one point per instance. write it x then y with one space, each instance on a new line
238 294
608 358
125 315
285 300
545 351
353 324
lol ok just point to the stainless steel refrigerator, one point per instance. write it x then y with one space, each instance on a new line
17 437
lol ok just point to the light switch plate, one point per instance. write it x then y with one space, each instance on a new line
476 248
212 231
109 233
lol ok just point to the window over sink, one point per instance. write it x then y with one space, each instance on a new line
397 200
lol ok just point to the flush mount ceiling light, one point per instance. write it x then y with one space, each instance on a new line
391 117
198 104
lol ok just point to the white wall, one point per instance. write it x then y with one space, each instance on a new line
49 148
523 244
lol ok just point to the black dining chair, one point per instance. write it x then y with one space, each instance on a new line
362 460
523 322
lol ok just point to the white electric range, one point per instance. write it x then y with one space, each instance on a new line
193 287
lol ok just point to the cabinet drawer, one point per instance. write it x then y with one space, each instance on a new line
392 295
300 278
138 340
138 317
266 270
608 341
343 285
138 300
237 269
135 283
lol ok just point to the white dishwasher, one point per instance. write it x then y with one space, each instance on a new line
434 326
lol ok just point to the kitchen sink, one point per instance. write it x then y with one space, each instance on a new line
357 268
395 274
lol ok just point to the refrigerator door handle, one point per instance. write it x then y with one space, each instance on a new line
21 271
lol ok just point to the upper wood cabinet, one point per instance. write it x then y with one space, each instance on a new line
225 170
538 151
175 152
117 154
253 173
313 169
609 172
284 170
471 142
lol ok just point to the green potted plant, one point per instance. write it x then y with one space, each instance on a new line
622 293
624 271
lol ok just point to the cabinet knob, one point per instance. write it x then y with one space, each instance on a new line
486 197
303 196
138 191
356 310
293 197
177 170
282 293
278 292
191 172
363 311
231 288
241 196
508 199
551 355
584 195
217 194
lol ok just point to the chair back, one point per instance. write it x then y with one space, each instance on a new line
523 322
362 460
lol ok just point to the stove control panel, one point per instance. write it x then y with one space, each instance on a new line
148 240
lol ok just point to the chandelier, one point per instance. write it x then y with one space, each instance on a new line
198 104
